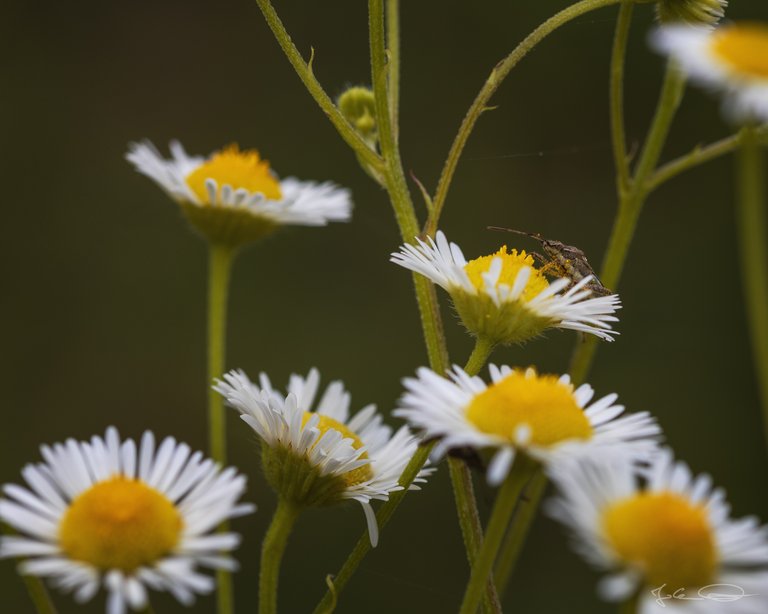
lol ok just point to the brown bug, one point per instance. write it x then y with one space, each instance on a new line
563 261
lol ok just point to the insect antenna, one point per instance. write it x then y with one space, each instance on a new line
532 235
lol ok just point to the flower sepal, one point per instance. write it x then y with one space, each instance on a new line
230 226
298 481
509 323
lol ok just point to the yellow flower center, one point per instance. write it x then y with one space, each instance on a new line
744 47
356 476
120 524
666 536
511 263
541 402
238 169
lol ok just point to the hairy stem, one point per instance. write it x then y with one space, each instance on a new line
307 76
616 99
272 550
393 49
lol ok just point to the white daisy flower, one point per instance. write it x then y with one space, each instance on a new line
504 297
665 533
733 58
234 197
693 12
127 517
542 415
320 455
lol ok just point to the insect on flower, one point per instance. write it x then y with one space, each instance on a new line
563 260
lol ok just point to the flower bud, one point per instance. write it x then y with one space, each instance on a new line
358 107
692 12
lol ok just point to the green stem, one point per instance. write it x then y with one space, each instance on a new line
618 55
700 155
220 258
502 511
363 546
469 521
618 246
272 554
495 79
515 538
478 357
38 594
397 187
431 323
463 488
669 101
393 49
394 176
307 76
631 205
753 242
480 354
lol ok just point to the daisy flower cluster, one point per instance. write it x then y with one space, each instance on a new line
233 197
123 516
320 454
130 517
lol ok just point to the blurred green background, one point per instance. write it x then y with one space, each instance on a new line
103 285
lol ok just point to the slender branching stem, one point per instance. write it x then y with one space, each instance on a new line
495 79
394 179
700 155
616 99
393 50
307 76
631 205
